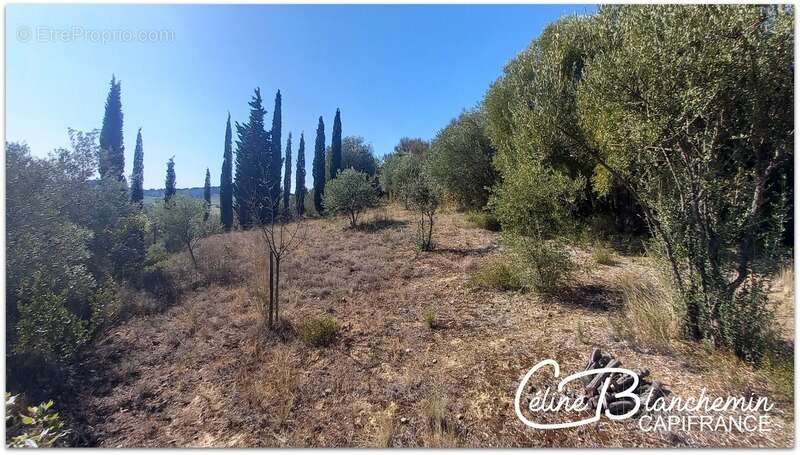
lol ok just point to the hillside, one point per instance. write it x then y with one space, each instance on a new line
203 373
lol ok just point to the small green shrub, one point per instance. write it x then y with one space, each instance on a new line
39 426
540 266
483 220
496 274
748 321
319 330
649 313
603 255
429 316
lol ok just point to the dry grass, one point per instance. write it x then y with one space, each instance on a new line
649 316
603 255
208 375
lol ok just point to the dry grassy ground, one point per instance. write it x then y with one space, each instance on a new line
204 374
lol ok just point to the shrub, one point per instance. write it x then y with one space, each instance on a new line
748 321
46 329
603 255
483 219
319 330
460 160
423 196
184 224
39 426
496 274
539 265
349 193
649 311
429 316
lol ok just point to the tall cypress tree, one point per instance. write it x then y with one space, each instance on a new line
137 177
300 178
336 146
112 159
287 175
226 181
318 166
207 195
251 180
276 161
169 184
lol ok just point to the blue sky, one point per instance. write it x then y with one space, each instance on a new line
393 70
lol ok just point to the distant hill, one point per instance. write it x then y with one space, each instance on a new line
196 192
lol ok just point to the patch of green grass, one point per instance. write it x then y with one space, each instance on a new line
319 330
483 220
496 274
603 255
429 316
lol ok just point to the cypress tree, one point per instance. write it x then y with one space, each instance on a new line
169 185
276 162
252 179
318 166
207 195
336 146
137 177
287 175
112 160
300 178
226 181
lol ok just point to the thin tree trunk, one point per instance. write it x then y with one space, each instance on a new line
277 286
191 253
269 277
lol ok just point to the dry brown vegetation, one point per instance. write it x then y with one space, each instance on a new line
205 373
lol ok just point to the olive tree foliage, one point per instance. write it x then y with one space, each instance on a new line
689 109
424 195
184 223
401 165
69 238
359 155
460 160
698 127
350 193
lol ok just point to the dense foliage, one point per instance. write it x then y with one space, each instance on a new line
460 160
336 147
350 193
137 176
112 159
358 155
300 177
681 115
287 175
226 181
318 166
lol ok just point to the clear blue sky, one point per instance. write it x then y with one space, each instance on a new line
394 70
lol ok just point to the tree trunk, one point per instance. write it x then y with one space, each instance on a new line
269 277
277 286
191 253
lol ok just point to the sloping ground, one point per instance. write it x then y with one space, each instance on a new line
204 374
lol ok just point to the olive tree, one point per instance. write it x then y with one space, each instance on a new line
350 193
423 196
183 222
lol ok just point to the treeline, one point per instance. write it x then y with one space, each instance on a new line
79 235
676 121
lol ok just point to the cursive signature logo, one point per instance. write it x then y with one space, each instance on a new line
539 403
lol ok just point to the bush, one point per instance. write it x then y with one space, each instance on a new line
541 266
184 224
483 219
423 196
47 330
497 274
429 316
603 255
460 160
349 193
38 427
748 321
649 311
319 331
